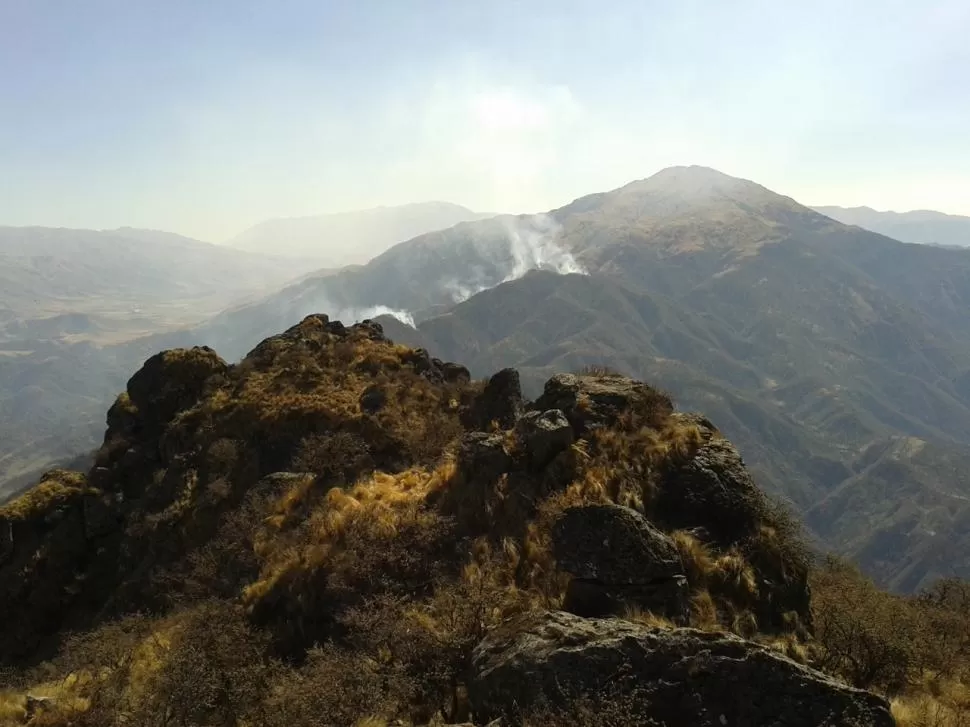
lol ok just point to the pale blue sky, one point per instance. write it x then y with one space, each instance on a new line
205 116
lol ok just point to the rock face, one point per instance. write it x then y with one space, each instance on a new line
680 677
483 457
500 401
434 369
714 488
712 493
543 435
171 381
618 560
591 401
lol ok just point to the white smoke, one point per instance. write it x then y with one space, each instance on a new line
352 314
471 284
529 243
355 315
535 245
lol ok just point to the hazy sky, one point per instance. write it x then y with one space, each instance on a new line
205 116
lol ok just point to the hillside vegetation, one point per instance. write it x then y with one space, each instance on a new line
837 360
340 530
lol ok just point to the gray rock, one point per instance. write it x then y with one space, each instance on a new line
99 515
677 677
482 456
543 435
713 489
669 598
373 399
455 373
500 401
171 381
714 495
592 401
618 559
613 544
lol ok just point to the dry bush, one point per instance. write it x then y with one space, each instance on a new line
336 458
924 709
778 544
376 537
601 371
90 681
202 666
874 639
227 561
335 687
215 671
428 642
222 457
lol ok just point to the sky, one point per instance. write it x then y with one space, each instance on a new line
204 118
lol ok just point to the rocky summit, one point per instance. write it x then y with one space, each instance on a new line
339 530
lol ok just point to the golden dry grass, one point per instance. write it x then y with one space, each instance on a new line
648 619
410 560
56 489
373 509
948 707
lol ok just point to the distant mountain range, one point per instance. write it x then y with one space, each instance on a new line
837 358
70 298
350 238
51 271
922 226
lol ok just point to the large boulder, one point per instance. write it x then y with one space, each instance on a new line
591 401
482 457
542 435
500 401
618 560
712 489
677 677
167 383
434 369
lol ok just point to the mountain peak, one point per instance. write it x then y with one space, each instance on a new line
693 171
691 207
696 180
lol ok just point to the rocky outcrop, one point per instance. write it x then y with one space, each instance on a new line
713 489
678 677
483 457
543 435
618 560
500 401
593 401
170 382
373 399
434 369
713 495
43 542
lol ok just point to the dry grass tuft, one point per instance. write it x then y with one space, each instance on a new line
648 619
57 488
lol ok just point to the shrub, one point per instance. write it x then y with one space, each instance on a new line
335 458
870 637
